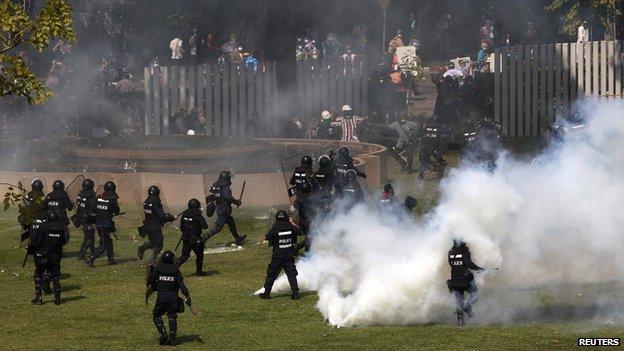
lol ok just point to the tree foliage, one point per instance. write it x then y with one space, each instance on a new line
595 12
17 28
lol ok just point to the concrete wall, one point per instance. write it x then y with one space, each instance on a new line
262 189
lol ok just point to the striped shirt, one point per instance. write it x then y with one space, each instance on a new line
348 125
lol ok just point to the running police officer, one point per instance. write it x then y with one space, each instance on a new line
191 224
222 199
85 217
107 207
462 279
283 238
155 219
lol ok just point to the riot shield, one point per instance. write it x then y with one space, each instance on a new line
74 187
287 167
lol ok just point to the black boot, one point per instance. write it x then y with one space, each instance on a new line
38 300
295 295
265 295
89 262
460 319
57 297
164 339
173 329
240 240
140 252
112 262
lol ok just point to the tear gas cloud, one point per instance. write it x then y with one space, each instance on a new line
553 222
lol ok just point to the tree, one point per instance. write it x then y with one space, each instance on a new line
597 13
17 28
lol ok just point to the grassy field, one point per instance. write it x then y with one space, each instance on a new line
103 307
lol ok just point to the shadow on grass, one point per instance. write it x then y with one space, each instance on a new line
567 312
126 259
65 275
207 273
70 287
72 298
188 339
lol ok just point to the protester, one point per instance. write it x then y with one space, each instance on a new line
483 55
486 33
176 49
348 123
331 47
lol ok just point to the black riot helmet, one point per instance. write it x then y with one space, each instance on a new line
37 184
110 186
281 216
388 188
350 175
324 161
52 216
458 242
194 204
225 175
58 185
87 184
306 161
167 257
153 191
343 151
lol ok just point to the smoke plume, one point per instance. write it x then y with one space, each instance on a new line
557 222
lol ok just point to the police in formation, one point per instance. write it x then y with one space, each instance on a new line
462 280
165 279
46 245
155 219
221 200
107 207
191 224
84 217
283 238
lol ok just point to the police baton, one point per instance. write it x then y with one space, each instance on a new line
178 245
25 258
242 193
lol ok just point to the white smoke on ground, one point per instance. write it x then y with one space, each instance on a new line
555 222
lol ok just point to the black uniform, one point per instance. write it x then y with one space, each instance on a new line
155 219
107 207
85 219
302 174
343 163
46 245
430 153
191 224
58 201
324 182
462 279
283 238
166 280
221 194
351 193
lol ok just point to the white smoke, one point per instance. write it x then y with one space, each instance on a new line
557 221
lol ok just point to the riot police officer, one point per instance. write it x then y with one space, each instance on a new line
283 238
305 205
344 162
191 224
58 201
352 193
36 249
390 203
165 278
32 204
462 279
85 217
430 153
324 180
221 196
107 207
47 248
155 219
303 173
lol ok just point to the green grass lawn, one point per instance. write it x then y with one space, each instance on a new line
103 307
